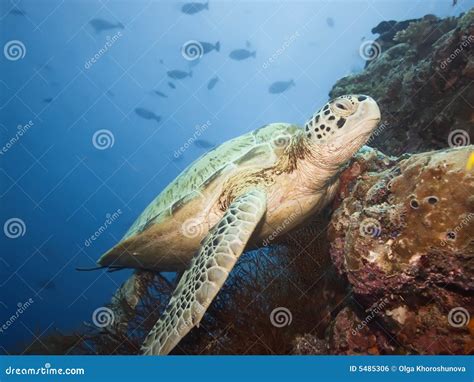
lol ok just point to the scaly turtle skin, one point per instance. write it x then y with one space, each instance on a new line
235 197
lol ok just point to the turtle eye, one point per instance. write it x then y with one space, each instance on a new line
343 107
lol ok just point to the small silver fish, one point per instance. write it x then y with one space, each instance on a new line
179 74
242 54
212 82
147 114
100 25
192 8
280 86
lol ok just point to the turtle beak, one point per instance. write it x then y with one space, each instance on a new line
369 108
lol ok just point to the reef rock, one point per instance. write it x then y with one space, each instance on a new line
402 234
421 76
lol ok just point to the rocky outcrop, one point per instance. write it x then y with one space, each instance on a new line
402 234
421 76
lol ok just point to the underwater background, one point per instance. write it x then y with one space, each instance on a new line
102 104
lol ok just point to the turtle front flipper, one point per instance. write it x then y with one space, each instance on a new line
207 273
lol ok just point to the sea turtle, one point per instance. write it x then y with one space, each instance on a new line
238 196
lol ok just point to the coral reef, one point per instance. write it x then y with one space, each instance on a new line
422 81
403 237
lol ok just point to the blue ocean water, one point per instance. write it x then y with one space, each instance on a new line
87 143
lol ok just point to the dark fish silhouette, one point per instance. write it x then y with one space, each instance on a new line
17 12
242 54
110 93
203 144
178 74
47 100
330 22
280 86
192 8
100 25
46 284
147 114
212 82
171 85
208 47
161 94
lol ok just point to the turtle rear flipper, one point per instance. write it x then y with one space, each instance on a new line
207 273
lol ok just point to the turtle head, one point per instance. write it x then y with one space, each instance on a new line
342 126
